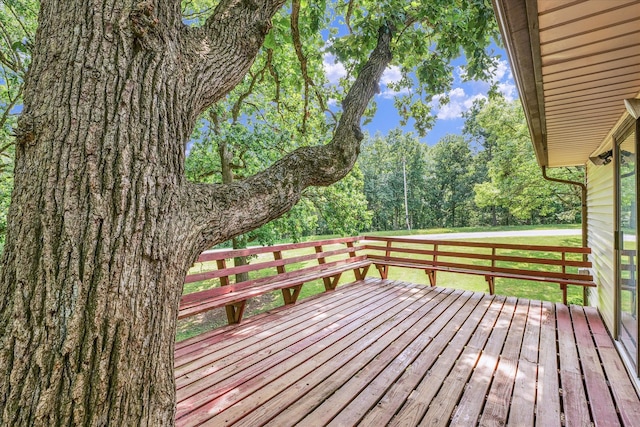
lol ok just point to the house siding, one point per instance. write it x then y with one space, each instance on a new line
600 238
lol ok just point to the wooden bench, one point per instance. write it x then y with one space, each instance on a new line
331 263
491 260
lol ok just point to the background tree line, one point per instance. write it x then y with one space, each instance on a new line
488 176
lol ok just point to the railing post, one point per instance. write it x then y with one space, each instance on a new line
234 311
384 270
321 260
351 253
357 272
289 295
493 258
433 277
277 255
222 265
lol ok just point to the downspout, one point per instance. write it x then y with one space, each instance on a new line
583 198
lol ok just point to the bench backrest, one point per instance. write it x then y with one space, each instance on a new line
548 261
273 261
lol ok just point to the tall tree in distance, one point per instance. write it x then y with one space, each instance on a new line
382 162
515 183
451 181
103 225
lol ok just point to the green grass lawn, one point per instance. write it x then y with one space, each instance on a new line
522 289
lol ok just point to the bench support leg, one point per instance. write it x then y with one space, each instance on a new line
235 312
290 295
361 273
432 277
491 282
383 270
330 283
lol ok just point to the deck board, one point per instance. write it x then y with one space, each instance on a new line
548 412
463 358
381 352
243 375
470 407
574 398
498 401
335 372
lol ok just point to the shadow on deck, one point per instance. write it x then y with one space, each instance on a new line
380 352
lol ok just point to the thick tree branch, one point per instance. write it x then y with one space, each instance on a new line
222 51
9 107
297 44
242 206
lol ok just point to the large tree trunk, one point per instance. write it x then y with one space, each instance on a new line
102 225
96 251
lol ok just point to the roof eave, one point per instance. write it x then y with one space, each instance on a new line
518 22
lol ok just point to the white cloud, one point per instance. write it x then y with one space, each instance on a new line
390 93
333 70
468 103
508 90
500 71
391 75
457 93
459 103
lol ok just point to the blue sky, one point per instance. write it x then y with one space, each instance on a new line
449 116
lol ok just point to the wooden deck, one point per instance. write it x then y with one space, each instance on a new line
381 352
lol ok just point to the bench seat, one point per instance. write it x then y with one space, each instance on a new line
234 296
489 275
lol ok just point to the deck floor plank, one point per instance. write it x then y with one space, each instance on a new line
225 371
414 379
574 398
227 336
336 309
380 352
600 400
454 368
431 341
496 409
323 383
248 373
473 399
624 394
526 376
548 410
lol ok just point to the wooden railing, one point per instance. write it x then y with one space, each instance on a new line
524 262
273 274
288 272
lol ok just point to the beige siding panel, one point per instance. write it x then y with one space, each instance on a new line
600 238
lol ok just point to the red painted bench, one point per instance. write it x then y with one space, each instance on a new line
543 263
331 263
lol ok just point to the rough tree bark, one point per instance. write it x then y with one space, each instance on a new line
103 226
